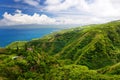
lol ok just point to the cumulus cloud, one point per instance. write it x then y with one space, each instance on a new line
66 12
19 18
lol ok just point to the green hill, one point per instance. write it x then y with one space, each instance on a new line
95 46
85 53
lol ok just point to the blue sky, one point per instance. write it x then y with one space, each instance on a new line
22 12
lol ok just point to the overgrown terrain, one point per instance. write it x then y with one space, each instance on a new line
85 53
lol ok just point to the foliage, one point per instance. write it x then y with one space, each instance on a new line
85 53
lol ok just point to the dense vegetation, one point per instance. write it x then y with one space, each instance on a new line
85 53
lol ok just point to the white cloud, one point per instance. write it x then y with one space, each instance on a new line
67 12
104 8
83 12
51 2
98 8
58 5
18 11
30 2
22 19
19 18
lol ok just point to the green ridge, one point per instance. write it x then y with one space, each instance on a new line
85 53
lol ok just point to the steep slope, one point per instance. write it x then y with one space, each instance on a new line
95 46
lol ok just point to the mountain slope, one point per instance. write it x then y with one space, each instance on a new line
88 52
95 46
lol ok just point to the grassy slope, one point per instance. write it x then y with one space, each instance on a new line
90 45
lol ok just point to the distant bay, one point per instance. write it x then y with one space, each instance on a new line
9 35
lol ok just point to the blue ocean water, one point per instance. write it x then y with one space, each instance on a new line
8 35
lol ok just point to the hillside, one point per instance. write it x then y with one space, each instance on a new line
85 53
88 45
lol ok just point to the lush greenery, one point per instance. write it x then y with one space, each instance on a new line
85 53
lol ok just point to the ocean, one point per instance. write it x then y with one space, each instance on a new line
9 35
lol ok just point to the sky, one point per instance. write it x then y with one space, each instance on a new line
52 12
